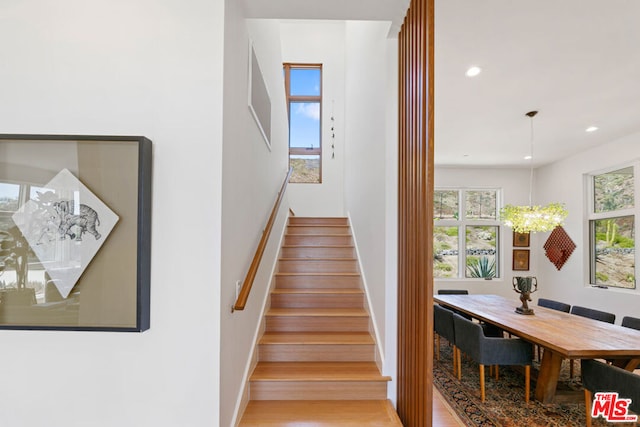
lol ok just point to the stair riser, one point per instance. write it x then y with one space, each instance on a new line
318 252
317 324
312 390
317 301
318 282
318 266
317 221
318 229
310 240
316 353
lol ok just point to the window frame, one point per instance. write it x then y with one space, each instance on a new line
287 67
462 223
591 216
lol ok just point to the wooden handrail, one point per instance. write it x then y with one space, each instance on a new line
253 268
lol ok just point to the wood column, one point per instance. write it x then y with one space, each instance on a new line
415 216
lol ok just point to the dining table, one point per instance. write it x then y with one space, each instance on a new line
561 335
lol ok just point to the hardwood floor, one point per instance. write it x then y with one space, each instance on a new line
443 414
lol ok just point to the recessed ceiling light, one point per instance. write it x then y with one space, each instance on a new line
473 71
528 157
591 129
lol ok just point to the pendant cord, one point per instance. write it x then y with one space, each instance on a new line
531 115
531 166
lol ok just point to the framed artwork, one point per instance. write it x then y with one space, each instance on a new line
75 232
259 99
520 240
520 259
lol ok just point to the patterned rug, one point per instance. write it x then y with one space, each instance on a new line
504 404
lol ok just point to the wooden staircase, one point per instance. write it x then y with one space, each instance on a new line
317 358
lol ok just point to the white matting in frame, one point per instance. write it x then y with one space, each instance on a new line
65 225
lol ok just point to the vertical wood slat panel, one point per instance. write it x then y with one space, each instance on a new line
415 228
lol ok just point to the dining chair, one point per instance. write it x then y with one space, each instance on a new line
590 313
554 305
631 322
470 339
443 327
600 377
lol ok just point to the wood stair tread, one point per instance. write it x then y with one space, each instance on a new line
305 259
319 291
319 246
319 235
324 312
316 218
320 413
317 371
318 225
303 338
352 274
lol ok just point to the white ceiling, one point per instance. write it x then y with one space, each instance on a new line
576 61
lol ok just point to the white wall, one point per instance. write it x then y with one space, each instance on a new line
142 67
367 167
321 42
391 218
563 182
252 177
515 186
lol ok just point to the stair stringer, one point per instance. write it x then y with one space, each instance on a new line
379 354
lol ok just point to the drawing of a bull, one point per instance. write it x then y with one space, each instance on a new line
73 225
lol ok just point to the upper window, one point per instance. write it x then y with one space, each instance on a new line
612 226
303 85
466 233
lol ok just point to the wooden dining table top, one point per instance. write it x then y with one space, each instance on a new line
569 335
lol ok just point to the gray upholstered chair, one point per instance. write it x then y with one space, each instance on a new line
602 316
554 305
591 313
453 292
631 322
443 327
600 377
471 340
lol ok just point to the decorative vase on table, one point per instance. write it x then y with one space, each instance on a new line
525 286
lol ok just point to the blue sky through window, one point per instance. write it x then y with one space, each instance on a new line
9 191
305 81
304 128
304 125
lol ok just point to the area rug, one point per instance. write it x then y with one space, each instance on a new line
504 404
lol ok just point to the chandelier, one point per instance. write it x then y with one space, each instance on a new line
533 218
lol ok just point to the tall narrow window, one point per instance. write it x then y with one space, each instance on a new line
612 228
303 85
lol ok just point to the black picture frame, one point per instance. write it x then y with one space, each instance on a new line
112 289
